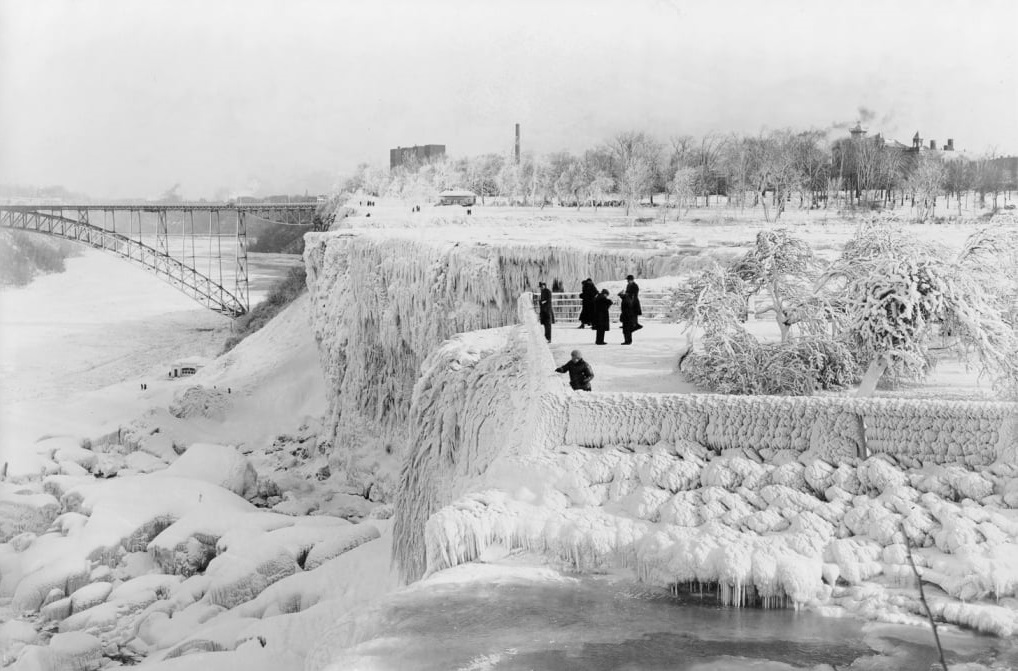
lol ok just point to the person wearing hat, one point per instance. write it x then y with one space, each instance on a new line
601 321
628 317
633 291
588 292
547 315
580 372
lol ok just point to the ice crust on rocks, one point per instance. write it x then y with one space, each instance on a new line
221 465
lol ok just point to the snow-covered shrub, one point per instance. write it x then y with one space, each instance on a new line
737 363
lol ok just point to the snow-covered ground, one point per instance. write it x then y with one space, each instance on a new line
98 543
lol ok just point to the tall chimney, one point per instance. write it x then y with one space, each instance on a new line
517 152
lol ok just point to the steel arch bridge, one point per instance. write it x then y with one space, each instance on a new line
154 251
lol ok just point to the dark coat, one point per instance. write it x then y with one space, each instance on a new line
580 374
546 312
588 292
633 290
629 312
601 320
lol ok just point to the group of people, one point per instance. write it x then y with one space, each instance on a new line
594 307
594 310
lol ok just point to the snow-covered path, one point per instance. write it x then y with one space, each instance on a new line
648 365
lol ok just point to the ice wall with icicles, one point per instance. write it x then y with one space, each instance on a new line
381 304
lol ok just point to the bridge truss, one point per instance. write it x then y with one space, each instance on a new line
169 240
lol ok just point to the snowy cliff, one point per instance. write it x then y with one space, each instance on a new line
382 301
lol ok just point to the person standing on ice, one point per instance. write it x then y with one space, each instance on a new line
588 292
546 313
633 290
580 372
628 317
601 321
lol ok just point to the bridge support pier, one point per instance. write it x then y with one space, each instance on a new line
240 289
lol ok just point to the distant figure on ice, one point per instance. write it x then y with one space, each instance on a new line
633 290
601 320
547 314
628 317
580 372
588 292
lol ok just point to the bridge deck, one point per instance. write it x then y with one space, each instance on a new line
160 207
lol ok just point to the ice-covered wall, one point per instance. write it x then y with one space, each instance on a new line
382 302
912 431
482 395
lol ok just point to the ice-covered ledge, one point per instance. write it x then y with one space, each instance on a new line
382 300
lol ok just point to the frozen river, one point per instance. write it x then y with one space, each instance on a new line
101 322
600 624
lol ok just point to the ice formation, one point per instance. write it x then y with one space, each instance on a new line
382 301
435 362
764 499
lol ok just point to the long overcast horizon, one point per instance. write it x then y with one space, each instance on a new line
127 99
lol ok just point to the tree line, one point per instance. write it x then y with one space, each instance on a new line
774 170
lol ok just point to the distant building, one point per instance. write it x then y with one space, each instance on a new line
416 154
1008 167
184 369
457 197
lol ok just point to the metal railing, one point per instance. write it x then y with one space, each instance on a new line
567 306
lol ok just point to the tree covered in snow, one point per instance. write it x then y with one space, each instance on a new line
636 157
731 360
904 299
713 301
782 267
925 183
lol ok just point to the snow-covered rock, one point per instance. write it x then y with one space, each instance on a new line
199 401
72 651
24 511
338 542
221 465
90 595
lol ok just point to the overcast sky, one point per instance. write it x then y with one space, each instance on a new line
127 98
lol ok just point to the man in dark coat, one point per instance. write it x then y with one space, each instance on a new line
633 291
588 292
580 372
628 317
547 315
601 320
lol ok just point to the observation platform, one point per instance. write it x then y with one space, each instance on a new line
648 365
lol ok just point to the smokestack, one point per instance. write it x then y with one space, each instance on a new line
517 152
